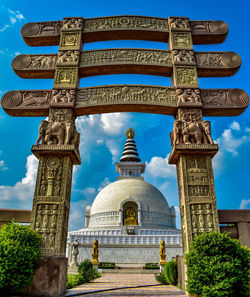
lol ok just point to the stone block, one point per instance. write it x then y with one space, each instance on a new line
50 277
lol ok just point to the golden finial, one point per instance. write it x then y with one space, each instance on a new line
130 133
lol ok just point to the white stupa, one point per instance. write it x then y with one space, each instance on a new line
128 217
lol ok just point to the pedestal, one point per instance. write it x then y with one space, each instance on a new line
50 277
197 199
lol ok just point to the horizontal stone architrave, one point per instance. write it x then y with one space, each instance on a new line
130 98
123 27
128 61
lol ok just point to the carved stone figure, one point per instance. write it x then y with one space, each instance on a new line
59 129
187 132
95 252
188 95
63 96
207 132
72 23
68 57
162 252
75 252
179 23
183 56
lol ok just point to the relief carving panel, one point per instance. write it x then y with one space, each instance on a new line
179 23
70 40
118 56
125 22
126 94
66 77
186 76
181 40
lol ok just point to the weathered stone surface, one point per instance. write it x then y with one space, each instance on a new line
123 27
50 277
162 100
118 61
197 199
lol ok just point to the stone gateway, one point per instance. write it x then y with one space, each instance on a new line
57 146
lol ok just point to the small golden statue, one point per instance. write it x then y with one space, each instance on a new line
162 253
95 253
130 217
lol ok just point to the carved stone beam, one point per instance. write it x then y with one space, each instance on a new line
123 27
118 61
116 98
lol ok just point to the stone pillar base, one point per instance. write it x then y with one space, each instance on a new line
50 277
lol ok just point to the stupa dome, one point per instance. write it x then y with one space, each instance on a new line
111 197
130 201
111 200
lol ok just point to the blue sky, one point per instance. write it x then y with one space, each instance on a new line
102 141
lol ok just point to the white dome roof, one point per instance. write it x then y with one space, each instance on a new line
149 198
108 205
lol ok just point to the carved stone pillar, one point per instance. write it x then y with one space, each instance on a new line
57 153
192 144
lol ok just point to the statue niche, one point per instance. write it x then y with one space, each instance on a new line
130 210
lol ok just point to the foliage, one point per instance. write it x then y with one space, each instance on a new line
106 265
74 280
218 266
19 256
160 277
151 266
170 272
87 272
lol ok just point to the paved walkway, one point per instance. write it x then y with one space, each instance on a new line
125 285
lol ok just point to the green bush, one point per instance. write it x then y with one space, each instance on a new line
106 265
152 266
74 280
218 266
87 272
19 256
170 272
160 277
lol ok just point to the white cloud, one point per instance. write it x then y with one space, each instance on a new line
104 183
230 141
2 165
21 194
235 126
159 167
244 203
4 27
102 129
13 17
113 123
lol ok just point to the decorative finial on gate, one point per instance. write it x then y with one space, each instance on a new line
130 133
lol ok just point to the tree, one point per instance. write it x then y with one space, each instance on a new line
19 256
218 266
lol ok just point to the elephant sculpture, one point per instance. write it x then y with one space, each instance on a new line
192 132
186 132
57 133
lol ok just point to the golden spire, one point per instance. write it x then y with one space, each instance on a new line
130 133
